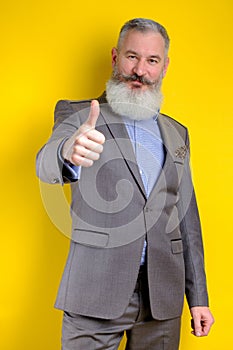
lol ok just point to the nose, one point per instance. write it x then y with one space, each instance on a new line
139 68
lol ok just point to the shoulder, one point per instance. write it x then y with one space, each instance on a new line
78 105
65 108
174 122
182 129
72 105
176 125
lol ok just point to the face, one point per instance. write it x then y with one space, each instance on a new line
141 56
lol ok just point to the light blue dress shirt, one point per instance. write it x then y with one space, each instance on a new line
149 152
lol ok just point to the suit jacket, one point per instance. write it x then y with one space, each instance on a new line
111 218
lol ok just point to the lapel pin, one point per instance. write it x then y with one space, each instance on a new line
181 152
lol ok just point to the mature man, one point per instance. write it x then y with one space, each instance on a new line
136 245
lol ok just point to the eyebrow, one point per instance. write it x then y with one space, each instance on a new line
136 53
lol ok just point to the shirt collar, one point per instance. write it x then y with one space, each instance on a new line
143 121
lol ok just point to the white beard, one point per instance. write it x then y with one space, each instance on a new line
134 103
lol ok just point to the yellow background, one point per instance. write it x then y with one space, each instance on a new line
61 49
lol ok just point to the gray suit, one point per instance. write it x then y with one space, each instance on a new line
112 217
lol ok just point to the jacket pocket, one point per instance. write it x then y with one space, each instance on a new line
90 238
177 246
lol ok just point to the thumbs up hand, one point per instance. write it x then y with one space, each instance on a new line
86 144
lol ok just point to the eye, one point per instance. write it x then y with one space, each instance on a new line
132 57
153 61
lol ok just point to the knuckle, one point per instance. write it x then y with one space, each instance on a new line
102 138
81 140
99 149
92 156
87 163
77 149
74 159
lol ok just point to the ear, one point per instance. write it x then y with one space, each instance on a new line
114 56
167 60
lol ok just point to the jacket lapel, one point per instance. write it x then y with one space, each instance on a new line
117 128
172 141
171 138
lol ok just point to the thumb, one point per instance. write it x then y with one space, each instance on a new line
94 113
197 327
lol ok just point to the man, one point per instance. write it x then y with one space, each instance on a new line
136 245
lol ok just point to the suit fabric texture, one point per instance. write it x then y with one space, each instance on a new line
111 218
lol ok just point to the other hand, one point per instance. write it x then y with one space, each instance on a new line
202 320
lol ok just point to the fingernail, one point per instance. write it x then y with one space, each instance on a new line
198 334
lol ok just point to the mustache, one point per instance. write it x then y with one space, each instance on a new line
133 77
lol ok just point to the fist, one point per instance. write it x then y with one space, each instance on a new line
85 146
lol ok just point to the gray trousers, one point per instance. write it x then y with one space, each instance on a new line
142 331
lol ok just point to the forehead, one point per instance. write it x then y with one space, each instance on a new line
146 43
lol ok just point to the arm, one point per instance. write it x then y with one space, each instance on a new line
49 164
71 144
195 283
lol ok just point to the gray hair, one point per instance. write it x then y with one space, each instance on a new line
143 25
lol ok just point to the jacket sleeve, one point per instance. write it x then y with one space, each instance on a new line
195 278
50 167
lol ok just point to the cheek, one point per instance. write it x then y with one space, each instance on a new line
156 73
124 67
